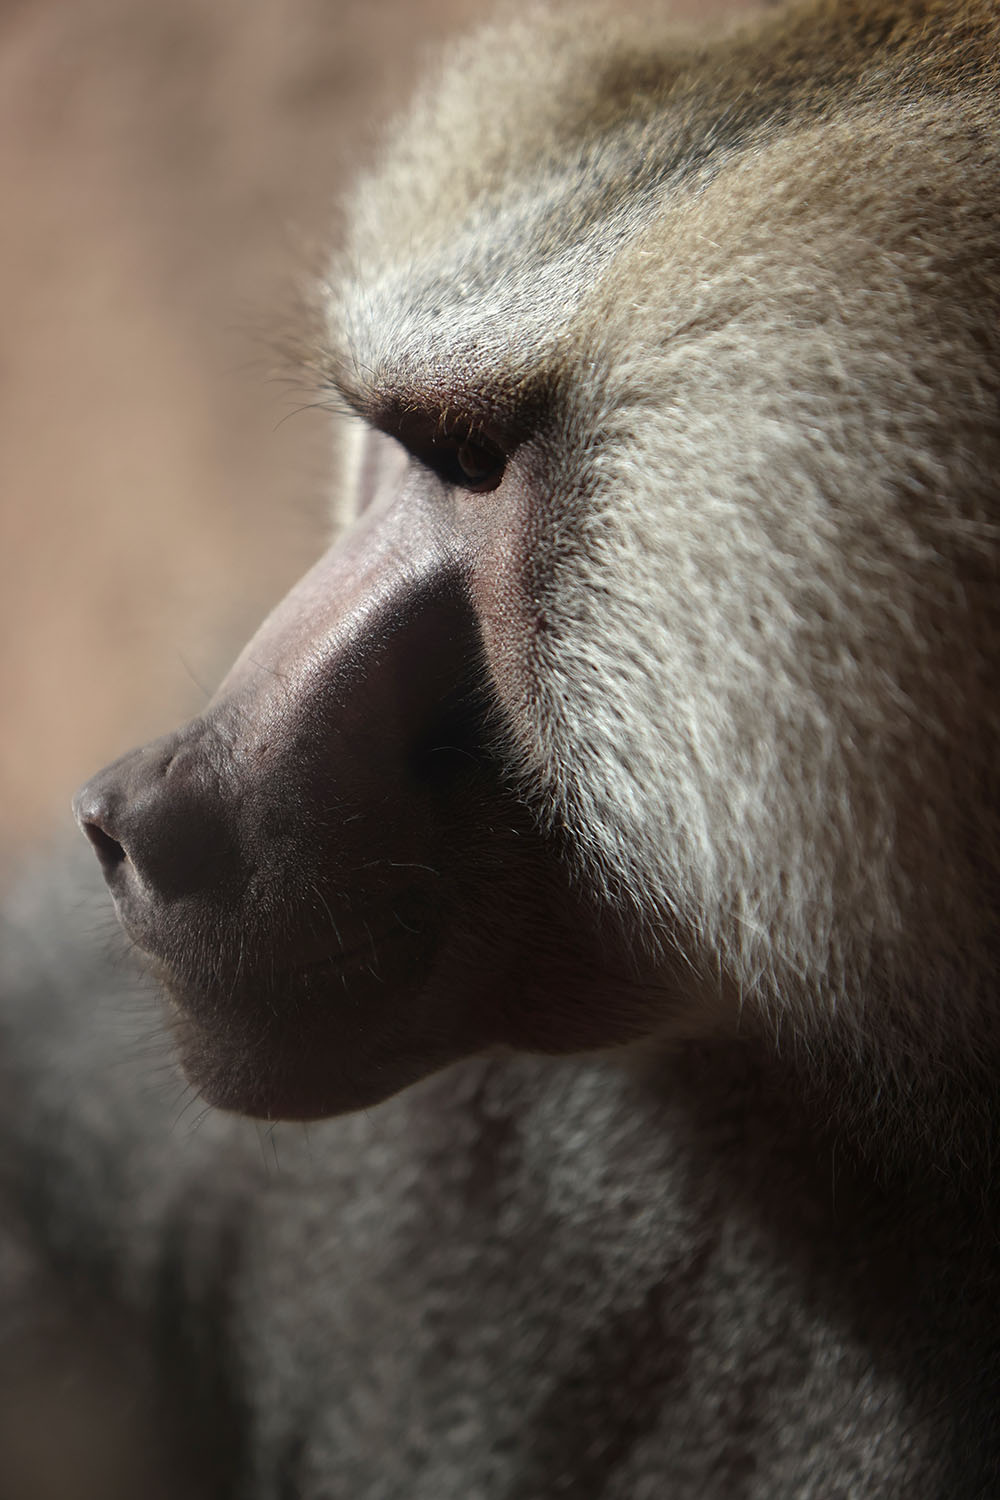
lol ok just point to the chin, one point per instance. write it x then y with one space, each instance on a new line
310 1050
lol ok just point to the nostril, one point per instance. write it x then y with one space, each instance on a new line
157 836
109 852
96 810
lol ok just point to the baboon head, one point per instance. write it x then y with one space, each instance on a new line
650 690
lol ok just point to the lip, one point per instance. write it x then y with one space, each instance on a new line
317 1039
389 959
212 963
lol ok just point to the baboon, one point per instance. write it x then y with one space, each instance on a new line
626 772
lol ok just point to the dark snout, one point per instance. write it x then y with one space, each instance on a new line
326 752
292 858
302 718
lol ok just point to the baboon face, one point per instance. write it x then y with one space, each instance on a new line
333 864
649 690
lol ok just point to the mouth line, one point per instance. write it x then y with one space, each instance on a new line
377 949
389 954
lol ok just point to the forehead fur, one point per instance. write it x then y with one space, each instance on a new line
472 284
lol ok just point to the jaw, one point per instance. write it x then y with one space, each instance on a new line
278 1071
525 969
283 1040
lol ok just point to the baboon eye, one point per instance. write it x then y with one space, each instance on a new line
463 459
480 467
465 462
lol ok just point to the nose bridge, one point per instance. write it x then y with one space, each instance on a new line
363 633
333 693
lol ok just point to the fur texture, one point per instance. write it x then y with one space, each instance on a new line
776 260
730 311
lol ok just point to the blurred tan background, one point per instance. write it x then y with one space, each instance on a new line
166 169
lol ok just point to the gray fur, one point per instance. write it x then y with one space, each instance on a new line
520 1279
749 672
790 352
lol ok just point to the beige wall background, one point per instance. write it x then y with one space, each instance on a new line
166 169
